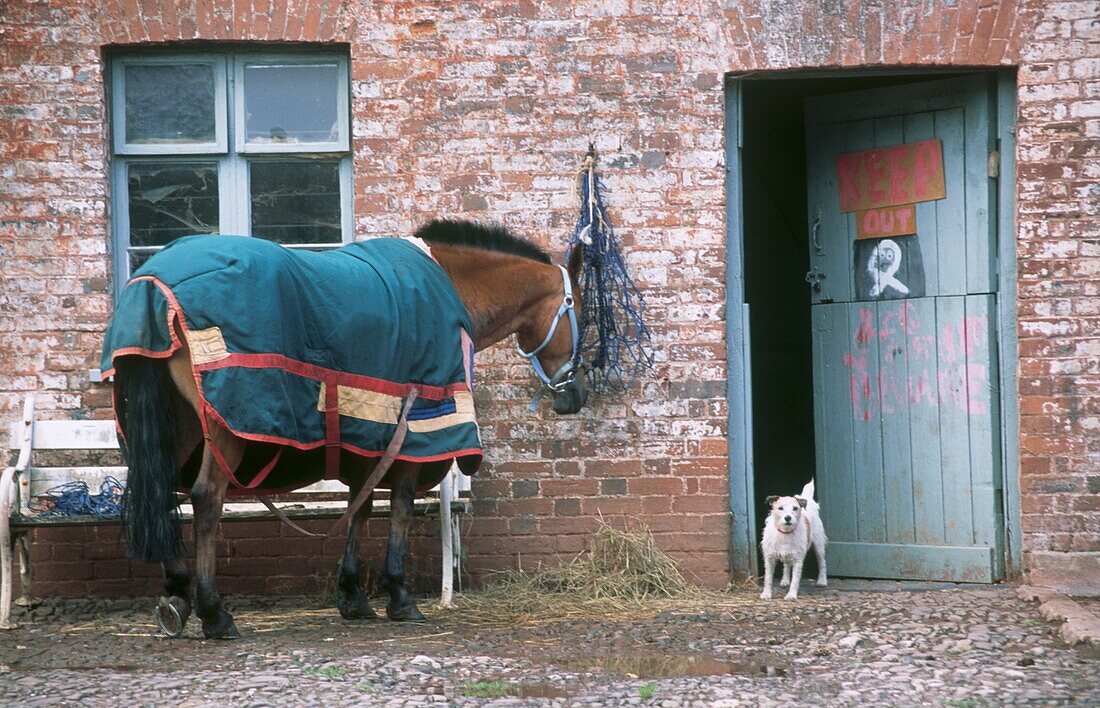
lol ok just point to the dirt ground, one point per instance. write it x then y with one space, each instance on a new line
851 644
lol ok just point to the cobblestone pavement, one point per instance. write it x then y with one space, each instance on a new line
847 646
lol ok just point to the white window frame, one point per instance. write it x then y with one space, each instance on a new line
118 105
240 133
234 188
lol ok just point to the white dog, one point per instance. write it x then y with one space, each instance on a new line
790 529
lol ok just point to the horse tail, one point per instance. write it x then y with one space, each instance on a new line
146 402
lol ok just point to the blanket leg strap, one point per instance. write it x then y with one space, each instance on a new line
383 465
281 516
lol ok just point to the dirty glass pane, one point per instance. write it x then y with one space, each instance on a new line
170 104
296 201
171 200
291 103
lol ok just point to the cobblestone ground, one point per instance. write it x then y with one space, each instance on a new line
855 645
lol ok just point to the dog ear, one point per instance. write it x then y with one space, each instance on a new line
801 502
771 500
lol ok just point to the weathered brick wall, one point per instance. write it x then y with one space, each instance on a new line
484 110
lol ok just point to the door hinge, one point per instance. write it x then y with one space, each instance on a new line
993 167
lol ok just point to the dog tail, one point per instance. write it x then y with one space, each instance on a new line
808 491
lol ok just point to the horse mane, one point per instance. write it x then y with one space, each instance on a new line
490 237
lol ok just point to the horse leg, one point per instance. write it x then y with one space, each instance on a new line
402 606
174 610
207 497
354 603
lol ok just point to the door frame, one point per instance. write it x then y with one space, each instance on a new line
743 543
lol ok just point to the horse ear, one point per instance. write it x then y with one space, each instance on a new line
576 262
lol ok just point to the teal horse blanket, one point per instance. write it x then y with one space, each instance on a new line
301 352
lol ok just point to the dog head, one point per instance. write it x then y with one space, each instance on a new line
786 512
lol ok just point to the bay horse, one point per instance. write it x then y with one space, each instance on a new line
508 286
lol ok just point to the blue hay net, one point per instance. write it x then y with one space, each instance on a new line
614 338
75 499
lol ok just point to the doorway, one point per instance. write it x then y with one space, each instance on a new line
812 406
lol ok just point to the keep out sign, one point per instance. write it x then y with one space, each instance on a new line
881 186
887 221
902 174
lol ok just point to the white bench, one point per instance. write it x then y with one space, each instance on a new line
23 483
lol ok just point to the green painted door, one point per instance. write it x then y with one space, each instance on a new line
904 308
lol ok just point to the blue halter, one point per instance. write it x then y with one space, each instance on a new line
568 372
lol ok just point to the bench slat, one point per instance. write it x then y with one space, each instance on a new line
68 435
261 514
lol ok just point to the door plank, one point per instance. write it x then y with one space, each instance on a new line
972 564
954 422
897 453
981 268
951 210
832 251
924 422
867 426
980 337
833 390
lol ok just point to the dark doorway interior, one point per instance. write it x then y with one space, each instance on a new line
776 260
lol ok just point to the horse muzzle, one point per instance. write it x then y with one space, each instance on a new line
571 398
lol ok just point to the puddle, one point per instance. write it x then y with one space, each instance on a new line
514 689
663 666
539 690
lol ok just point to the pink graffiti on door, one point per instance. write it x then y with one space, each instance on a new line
914 365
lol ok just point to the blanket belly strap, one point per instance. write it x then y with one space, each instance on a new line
332 429
392 451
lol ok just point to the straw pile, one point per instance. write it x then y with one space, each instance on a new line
623 571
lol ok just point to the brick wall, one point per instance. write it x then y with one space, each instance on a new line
483 110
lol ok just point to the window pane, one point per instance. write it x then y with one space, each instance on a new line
171 200
290 104
170 104
296 201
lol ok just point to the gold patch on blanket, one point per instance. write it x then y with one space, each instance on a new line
207 345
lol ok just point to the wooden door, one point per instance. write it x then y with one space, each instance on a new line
906 407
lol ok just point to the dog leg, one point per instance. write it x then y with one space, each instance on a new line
796 575
769 571
819 551
786 580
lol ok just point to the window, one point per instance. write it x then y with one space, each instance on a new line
231 142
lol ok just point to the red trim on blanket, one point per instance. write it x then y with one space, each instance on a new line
320 373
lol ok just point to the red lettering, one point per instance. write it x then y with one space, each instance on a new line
866 331
903 220
927 167
886 221
898 183
876 176
847 169
870 222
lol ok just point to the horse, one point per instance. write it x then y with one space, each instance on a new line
507 285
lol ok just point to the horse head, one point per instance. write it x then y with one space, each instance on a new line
551 340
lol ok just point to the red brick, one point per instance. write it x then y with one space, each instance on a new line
668 486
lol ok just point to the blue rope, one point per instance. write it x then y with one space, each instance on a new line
615 339
74 499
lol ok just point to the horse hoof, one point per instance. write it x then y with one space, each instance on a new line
362 611
171 615
408 613
221 628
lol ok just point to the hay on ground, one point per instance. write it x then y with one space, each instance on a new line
623 571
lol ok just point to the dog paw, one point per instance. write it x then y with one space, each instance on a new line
784 583
822 583
790 596
766 595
